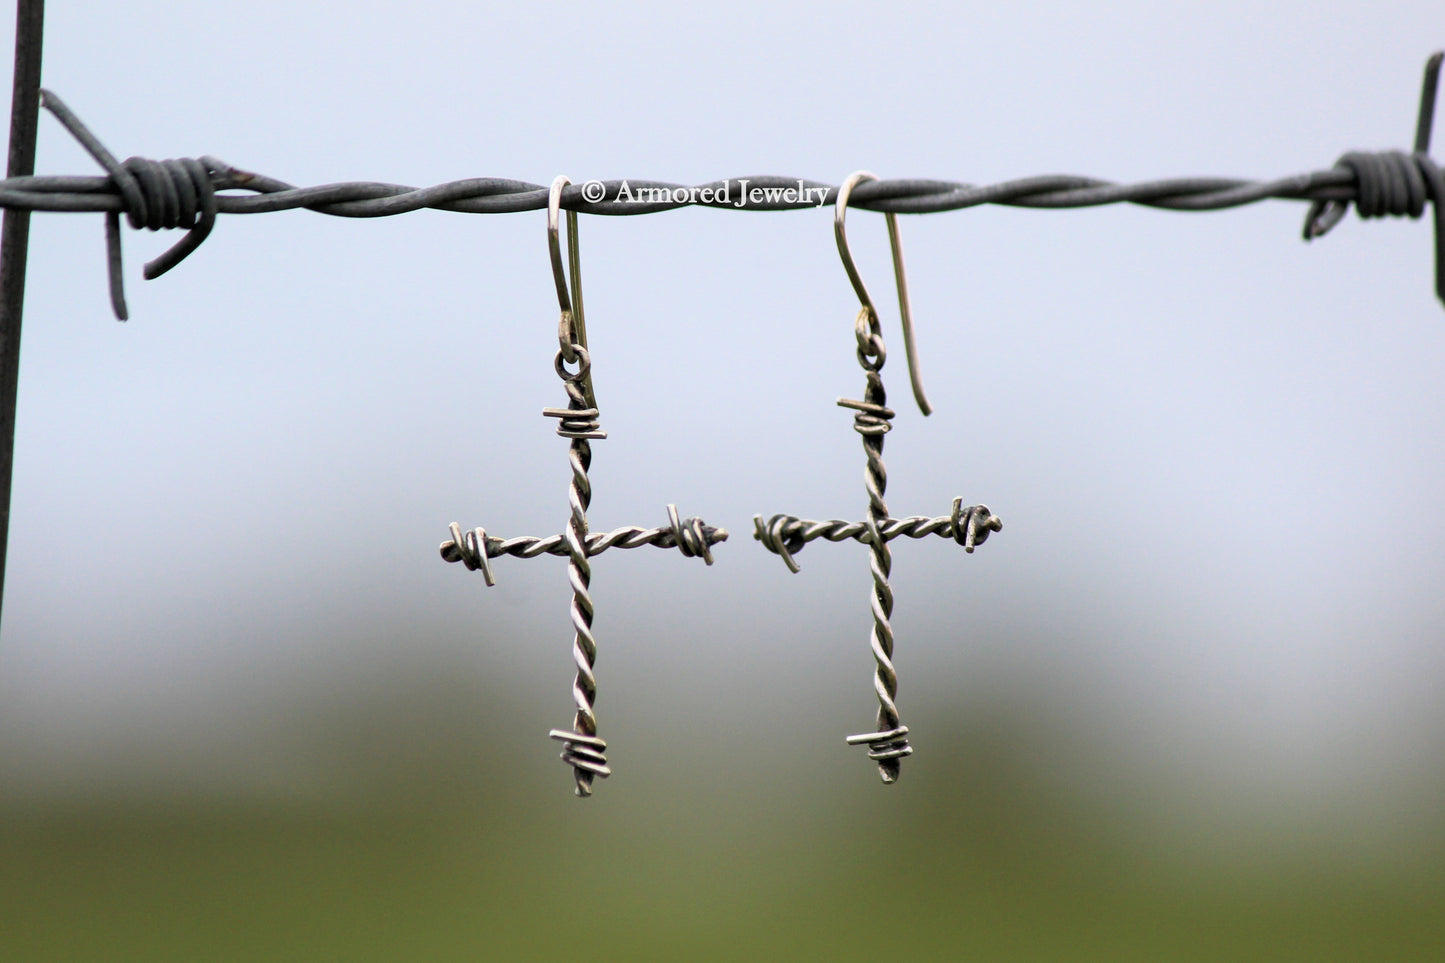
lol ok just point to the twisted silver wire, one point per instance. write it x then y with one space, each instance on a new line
582 748
785 535
889 744
692 536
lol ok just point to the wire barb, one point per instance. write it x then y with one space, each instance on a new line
584 753
884 746
576 422
871 419
1393 183
156 195
471 549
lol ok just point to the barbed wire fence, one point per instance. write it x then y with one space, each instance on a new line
189 194
185 193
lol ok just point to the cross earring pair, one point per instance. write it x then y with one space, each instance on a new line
784 535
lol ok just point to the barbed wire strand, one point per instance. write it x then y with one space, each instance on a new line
186 194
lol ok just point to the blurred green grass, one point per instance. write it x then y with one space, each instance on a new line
432 842
204 883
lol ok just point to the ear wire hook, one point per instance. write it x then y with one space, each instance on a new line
572 327
868 313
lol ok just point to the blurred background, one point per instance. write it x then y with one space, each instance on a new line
1185 706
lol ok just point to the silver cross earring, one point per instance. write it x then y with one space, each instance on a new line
786 535
582 748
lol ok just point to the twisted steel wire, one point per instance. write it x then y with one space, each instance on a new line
691 536
889 744
183 193
498 195
785 535
582 748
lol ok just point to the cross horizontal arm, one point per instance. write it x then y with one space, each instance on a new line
692 536
785 535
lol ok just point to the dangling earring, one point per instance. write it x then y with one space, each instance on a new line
786 535
582 748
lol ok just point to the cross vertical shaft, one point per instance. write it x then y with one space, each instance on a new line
582 748
872 423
